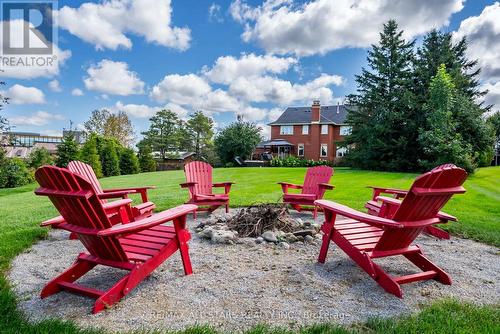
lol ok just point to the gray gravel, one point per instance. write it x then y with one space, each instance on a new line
236 287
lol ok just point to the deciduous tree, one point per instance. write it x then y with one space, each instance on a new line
237 139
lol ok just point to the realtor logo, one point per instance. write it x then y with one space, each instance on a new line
27 27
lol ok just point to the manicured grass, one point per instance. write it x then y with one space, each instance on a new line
478 210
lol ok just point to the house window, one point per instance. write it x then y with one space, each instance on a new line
305 129
286 130
300 150
324 150
341 152
345 130
324 129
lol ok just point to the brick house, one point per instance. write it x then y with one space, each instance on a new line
308 132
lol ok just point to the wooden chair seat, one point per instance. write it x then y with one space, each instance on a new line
301 197
212 197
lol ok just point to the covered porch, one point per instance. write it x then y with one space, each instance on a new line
276 148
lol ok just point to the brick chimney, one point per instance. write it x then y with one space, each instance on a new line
315 111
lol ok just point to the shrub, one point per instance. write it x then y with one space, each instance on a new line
129 164
40 156
292 161
146 161
14 173
110 160
90 155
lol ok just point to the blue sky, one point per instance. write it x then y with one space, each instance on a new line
225 57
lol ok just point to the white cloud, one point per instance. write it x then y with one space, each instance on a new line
107 24
274 114
55 86
483 37
493 96
282 26
39 118
181 89
21 66
113 78
214 13
145 111
228 68
77 92
19 94
282 92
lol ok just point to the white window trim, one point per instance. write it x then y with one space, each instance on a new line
324 126
286 133
305 127
321 150
303 150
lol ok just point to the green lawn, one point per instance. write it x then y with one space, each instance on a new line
21 211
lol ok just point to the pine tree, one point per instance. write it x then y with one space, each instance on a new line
38 157
384 131
147 162
110 160
440 141
67 150
163 133
90 155
129 164
200 128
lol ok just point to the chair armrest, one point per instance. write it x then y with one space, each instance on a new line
54 221
226 185
116 194
285 186
133 189
388 200
326 186
187 184
222 184
62 193
116 204
446 217
443 216
393 191
357 215
149 222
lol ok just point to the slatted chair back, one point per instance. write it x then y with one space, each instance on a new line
76 200
201 173
315 176
426 197
88 173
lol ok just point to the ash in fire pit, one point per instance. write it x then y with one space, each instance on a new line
260 223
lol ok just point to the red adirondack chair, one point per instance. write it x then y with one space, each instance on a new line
143 210
314 187
139 246
385 207
200 186
365 237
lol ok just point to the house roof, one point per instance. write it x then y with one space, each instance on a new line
275 142
302 115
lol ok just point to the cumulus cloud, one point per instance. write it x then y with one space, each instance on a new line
19 94
46 67
39 118
77 92
107 24
55 86
242 82
214 13
493 96
113 77
283 26
228 68
483 35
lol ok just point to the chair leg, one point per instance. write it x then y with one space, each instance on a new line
425 264
77 270
195 214
315 212
437 232
227 208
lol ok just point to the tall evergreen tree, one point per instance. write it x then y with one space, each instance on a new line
146 161
384 132
439 139
67 150
129 164
90 155
108 149
200 128
163 133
